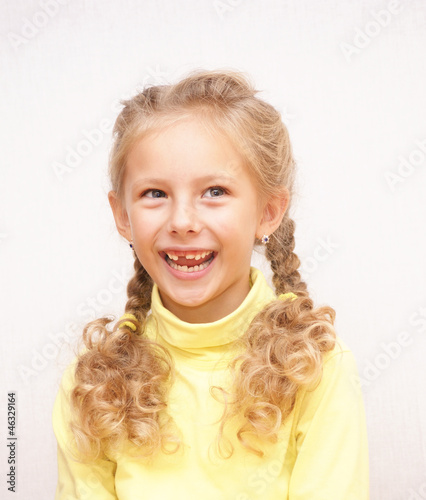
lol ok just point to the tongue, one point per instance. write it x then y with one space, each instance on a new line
183 261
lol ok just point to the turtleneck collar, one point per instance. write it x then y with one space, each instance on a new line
199 338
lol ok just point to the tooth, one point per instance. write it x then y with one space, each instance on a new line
198 257
191 269
190 256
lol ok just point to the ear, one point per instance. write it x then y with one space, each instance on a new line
273 213
120 215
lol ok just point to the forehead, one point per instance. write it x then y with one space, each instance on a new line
187 146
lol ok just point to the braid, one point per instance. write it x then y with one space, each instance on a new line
139 291
123 377
122 382
281 350
284 262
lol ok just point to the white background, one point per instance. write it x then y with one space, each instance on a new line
349 78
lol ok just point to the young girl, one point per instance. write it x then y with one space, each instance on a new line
212 385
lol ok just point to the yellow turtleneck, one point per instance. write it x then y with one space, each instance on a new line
321 452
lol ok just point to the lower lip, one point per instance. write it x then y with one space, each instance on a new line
195 275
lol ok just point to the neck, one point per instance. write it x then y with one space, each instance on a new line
213 310
201 341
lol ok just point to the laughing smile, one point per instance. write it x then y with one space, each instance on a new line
189 261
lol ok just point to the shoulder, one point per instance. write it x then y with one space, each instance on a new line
339 348
67 379
340 358
68 376
339 380
62 408
334 406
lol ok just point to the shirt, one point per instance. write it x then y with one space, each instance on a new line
321 452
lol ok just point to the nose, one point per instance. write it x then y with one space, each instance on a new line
183 218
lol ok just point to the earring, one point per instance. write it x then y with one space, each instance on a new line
130 245
265 239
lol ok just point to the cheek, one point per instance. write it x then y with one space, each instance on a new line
237 228
244 218
145 222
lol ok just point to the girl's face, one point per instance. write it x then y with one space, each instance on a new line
192 211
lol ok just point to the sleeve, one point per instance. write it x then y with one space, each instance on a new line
331 436
77 480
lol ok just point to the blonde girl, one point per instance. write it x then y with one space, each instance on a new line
211 385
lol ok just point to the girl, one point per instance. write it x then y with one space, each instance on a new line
212 385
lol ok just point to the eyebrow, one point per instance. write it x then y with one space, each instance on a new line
207 178
218 177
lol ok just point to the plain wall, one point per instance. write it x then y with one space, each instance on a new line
349 80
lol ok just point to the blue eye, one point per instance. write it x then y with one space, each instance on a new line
154 193
214 192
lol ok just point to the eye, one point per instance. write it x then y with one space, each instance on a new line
154 193
214 192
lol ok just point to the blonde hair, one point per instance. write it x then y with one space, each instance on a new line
122 378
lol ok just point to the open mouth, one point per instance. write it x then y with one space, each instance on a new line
189 262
